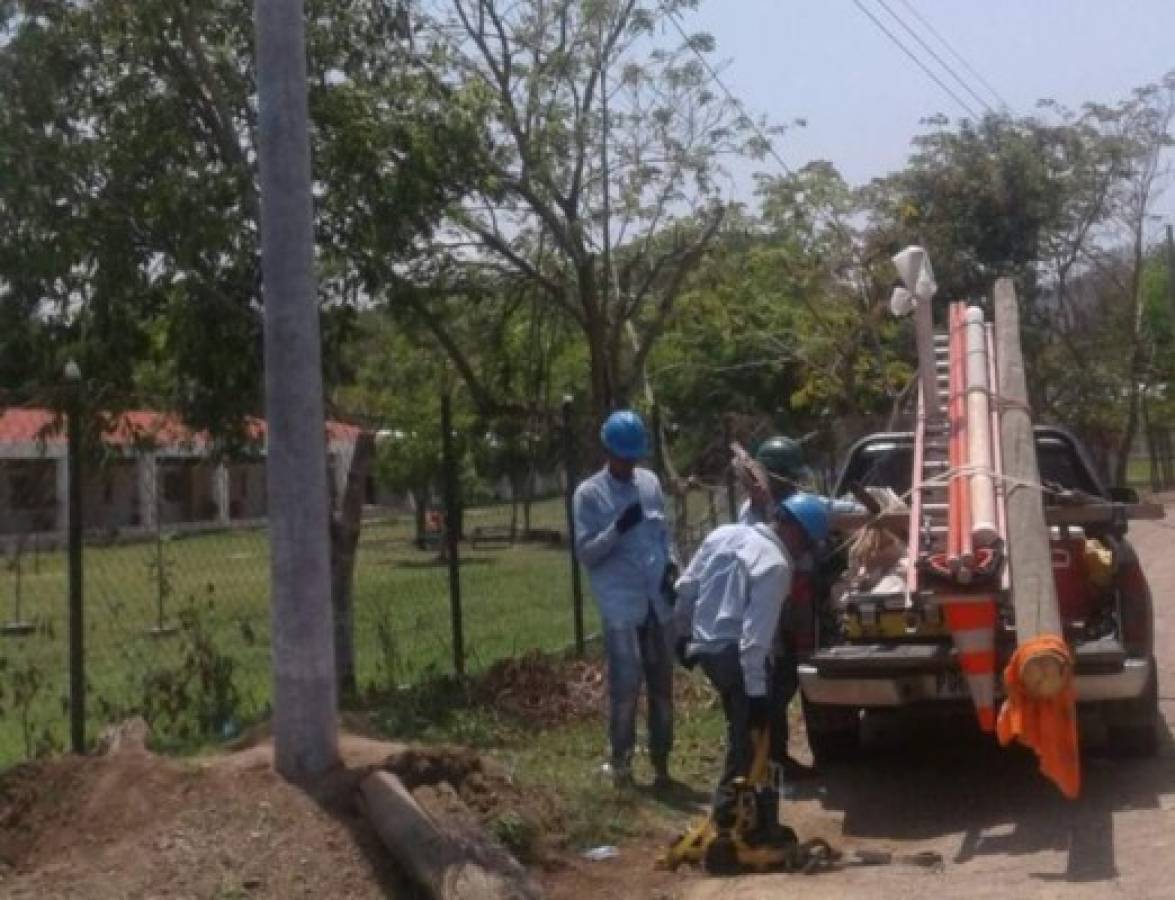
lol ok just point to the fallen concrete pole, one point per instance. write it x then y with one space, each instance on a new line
447 864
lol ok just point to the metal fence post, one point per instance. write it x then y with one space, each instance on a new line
727 437
658 448
77 660
452 537
570 477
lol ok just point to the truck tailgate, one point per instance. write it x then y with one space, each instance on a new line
882 660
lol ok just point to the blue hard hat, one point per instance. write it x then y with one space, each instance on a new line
810 511
624 436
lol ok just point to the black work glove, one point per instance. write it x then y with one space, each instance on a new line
758 712
630 518
669 582
680 648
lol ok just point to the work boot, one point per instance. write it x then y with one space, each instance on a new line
620 775
768 830
662 781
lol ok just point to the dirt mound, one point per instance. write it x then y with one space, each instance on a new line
132 824
541 690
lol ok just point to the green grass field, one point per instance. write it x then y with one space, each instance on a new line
513 599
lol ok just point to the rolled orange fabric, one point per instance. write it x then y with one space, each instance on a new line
1048 726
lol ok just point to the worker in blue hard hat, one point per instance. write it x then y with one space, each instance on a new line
623 541
788 473
729 602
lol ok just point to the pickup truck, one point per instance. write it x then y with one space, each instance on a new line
870 652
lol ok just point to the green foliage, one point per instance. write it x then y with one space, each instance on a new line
128 190
22 685
1059 201
782 322
518 834
981 196
597 213
195 696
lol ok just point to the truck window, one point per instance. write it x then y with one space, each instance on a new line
889 462
1060 465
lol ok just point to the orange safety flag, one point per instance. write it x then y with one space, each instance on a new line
1049 725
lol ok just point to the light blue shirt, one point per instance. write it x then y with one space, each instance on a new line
625 569
733 592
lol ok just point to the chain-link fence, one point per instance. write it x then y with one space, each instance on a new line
175 572
174 577
1152 466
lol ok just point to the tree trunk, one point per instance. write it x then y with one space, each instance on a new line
1152 449
420 511
345 529
596 332
528 496
514 481
305 719
1125 448
1137 358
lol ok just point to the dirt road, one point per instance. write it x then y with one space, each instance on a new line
1001 829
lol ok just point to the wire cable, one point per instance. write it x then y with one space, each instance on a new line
942 62
921 65
956 54
835 223
713 73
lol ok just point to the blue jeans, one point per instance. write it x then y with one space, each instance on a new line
632 652
785 682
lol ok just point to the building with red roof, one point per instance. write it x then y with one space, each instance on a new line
153 471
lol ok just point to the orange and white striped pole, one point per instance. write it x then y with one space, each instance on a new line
971 620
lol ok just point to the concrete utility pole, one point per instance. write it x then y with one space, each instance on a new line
305 717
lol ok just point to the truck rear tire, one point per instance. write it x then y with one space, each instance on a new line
834 732
1132 726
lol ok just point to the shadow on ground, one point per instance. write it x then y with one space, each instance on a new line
920 781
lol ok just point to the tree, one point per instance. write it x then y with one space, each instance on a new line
603 159
1142 125
129 190
1060 202
784 321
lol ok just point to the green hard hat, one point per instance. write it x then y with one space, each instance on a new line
784 457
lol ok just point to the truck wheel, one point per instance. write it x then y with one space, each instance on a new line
834 732
1132 726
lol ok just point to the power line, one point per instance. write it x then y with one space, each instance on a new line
942 62
713 73
956 54
921 65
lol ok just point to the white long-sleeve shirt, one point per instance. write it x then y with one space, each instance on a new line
732 593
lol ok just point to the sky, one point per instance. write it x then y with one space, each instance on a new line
826 62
